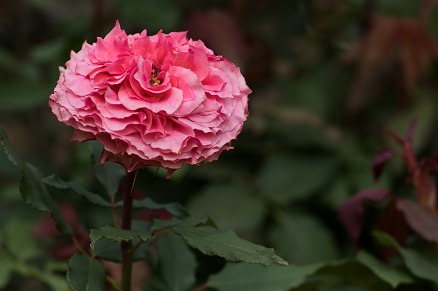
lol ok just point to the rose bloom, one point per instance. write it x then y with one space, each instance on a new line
162 100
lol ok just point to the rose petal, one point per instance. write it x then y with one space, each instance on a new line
78 84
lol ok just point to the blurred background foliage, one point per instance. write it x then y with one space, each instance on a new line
327 77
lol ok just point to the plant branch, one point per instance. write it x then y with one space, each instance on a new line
126 246
78 245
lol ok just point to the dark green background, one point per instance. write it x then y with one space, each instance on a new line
307 144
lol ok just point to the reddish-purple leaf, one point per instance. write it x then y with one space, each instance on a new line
392 221
432 163
420 219
411 130
351 211
380 160
395 136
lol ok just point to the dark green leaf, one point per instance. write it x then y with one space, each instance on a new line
169 223
57 182
19 241
302 239
347 272
163 173
32 189
117 234
392 276
109 175
175 209
6 268
421 265
385 239
338 192
56 282
156 283
287 178
85 274
108 250
247 277
177 262
243 210
96 149
227 245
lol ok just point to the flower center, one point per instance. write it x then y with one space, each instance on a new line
154 81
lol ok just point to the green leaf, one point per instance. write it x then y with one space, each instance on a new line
175 209
177 262
393 277
159 224
57 182
337 193
385 239
85 274
421 265
400 122
19 241
302 239
156 283
109 175
57 283
243 210
117 234
33 191
345 272
6 268
108 250
96 149
247 277
162 173
287 178
227 245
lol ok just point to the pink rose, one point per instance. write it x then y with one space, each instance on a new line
161 100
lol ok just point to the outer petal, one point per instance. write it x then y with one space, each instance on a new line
78 84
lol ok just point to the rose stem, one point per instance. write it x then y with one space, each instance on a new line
126 246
